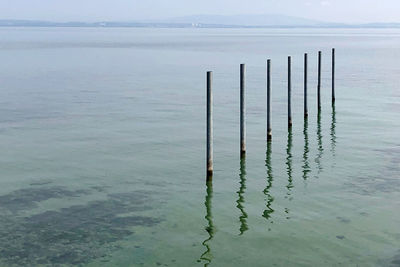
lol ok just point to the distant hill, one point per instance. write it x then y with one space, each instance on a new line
245 20
38 23
381 25
205 21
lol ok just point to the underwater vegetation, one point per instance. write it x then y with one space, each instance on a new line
69 236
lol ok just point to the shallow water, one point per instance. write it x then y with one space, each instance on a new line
103 149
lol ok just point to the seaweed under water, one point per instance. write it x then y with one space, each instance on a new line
73 235
27 198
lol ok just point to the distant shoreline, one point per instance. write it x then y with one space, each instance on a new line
26 23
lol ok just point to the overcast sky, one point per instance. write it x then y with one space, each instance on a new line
350 11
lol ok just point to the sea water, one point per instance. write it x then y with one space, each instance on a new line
102 136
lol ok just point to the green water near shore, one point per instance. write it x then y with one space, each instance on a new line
103 149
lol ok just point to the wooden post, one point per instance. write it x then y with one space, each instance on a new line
305 85
289 92
269 130
242 110
209 127
319 81
333 76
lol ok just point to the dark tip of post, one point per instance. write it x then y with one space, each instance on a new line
209 176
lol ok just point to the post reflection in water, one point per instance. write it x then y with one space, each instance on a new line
289 169
243 215
207 256
320 146
267 191
333 131
306 163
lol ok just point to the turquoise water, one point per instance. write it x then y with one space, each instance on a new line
102 135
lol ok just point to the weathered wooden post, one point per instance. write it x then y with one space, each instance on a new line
333 76
289 92
210 168
319 81
305 85
242 110
269 130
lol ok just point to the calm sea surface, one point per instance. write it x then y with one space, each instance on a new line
102 159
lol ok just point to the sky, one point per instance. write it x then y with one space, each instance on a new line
347 11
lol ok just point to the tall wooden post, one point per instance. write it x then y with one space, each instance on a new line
210 167
319 80
290 92
242 110
269 130
305 85
333 76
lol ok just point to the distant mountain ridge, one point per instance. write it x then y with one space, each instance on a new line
244 20
205 21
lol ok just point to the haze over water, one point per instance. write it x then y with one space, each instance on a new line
102 135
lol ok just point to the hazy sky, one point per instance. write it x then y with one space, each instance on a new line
129 10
